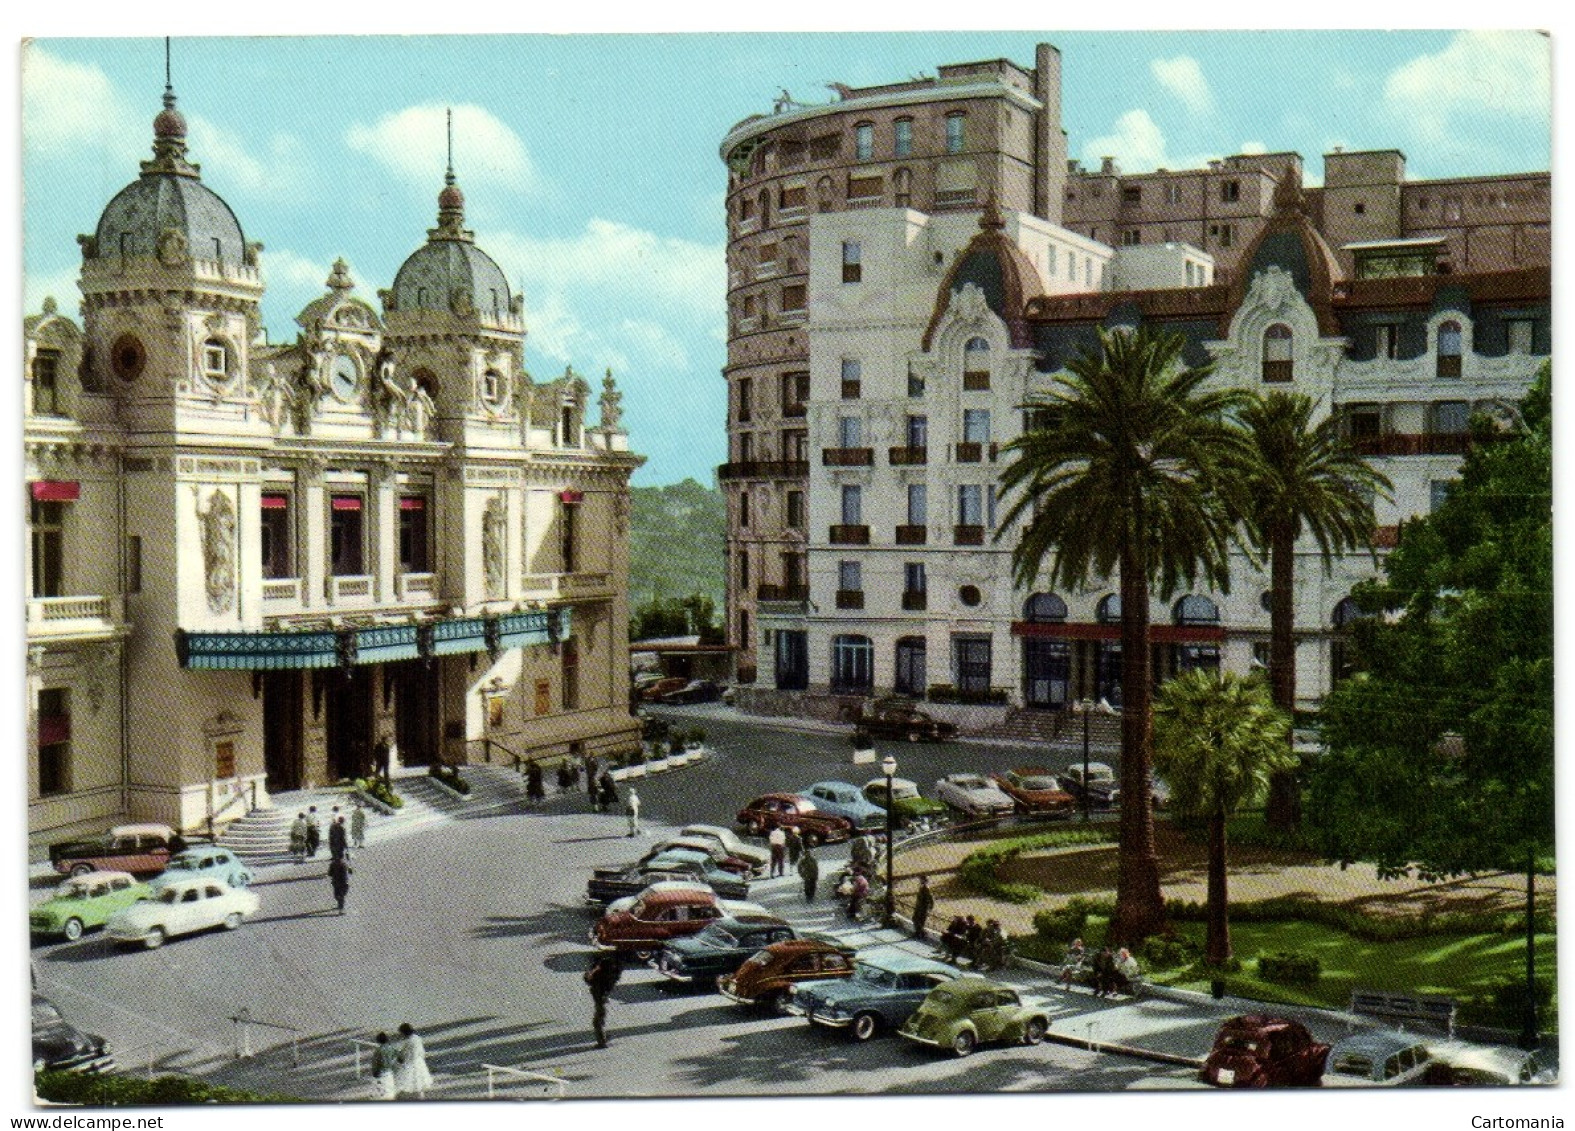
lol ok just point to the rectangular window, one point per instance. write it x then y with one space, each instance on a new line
850 432
865 188
825 147
1172 194
955 124
913 577
568 536
793 298
1365 421
54 741
746 400
214 365
970 505
1132 194
989 506
849 576
1050 262
1131 237
918 431
796 197
1230 191
276 541
746 447
902 137
48 536
346 536
971 657
863 141
1519 333
852 267
1450 345
852 505
766 258
413 535
134 563
795 510
743 569
1438 491
795 445
915 384
976 426
1452 417
1386 340
852 372
918 504
46 390
743 510
571 675
792 660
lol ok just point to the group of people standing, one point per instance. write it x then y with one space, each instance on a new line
983 944
399 1066
306 838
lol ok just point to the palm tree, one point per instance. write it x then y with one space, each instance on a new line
1217 740
1129 470
1303 477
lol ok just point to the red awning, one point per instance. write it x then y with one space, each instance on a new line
412 503
1157 633
53 729
346 502
276 502
56 490
570 497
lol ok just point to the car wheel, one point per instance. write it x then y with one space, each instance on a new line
1034 1031
964 1042
154 938
232 920
81 869
643 955
753 828
777 1003
865 1026
72 930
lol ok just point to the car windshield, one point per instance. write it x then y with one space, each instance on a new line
169 895
874 975
759 958
969 781
1039 781
1236 1042
73 891
717 936
182 864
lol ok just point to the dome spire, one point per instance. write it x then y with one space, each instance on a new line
169 132
451 201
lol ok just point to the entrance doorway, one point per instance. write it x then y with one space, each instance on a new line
349 710
282 704
1047 671
415 712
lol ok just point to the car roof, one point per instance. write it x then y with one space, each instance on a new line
896 783
901 962
705 830
1259 1022
145 829
1031 771
838 784
1378 1046
200 850
661 898
195 881
967 774
98 876
804 944
972 983
740 920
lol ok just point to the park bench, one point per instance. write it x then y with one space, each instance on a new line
1404 1009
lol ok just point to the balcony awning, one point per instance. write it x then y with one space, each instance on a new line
276 502
56 490
571 497
380 644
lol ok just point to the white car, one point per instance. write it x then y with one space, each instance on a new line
974 795
1377 1060
1478 1066
179 909
758 857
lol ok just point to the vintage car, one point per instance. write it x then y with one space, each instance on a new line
608 884
1258 1051
695 691
623 903
719 949
884 991
704 845
1367 1060
791 810
59 1046
901 719
655 690
843 800
1035 791
973 796
84 902
911 805
202 863
769 976
969 1011
654 919
181 908
138 849
758 857
1104 791
1477 1066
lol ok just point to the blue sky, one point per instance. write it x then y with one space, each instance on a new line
590 162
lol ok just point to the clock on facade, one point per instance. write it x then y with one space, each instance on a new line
345 376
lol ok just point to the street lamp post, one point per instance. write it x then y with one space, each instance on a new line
888 766
1084 707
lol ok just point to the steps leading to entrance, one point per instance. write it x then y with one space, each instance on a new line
1060 727
261 834
491 788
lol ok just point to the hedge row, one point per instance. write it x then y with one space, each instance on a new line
978 870
136 1091
1362 925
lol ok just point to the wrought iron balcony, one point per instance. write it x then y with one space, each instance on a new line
846 535
908 457
912 535
848 457
966 535
850 598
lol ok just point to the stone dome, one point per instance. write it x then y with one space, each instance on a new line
449 272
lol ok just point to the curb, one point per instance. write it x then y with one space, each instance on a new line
1124 1050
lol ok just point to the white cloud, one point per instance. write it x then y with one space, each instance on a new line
275 170
1183 78
1135 142
1478 73
1252 148
412 144
74 107
289 270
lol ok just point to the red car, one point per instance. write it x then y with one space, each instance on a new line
1257 1051
653 692
1036 791
784 810
658 916
139 849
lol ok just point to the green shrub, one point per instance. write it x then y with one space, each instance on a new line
1364 925
378 788
978 870
449 776
1070 921
1290 968
134 1091
1169 952
1504 1004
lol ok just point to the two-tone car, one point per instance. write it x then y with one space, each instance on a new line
141 850
718 855
758 857
1035 792
83 903
1381 1060
59 1046
1100 786
719 949
209 861
792 810
901 719
767 979
973 795
608 884
182 907
1259 1051
656 919
911 804
840 799
885 989
968 1011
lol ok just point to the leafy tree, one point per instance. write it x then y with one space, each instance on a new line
1134 469
1217 741
694 615
1304 478
1440 752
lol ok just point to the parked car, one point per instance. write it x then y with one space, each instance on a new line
901 719
608 884
717 854
654 919
654 691
973 796
623 903
792 810
882 993
695 691
1476 1066
84 902
1104 792
911 805
202 863
59 1046
969 1011
843 800
1035 791
1258 1051
181 908
1365 1060
758 857
719 949
768 977
138 849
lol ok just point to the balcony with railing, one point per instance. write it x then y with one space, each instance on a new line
908 457
66 617
1413 444
970 452
764 469
848 535
280 592
848 457
916 600
850 598
967 535
416 587
354 589
585 583
793 593
912 535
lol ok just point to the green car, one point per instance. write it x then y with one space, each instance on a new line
83 902
910 805
966 1012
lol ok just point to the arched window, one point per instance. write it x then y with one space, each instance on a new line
864 141
1194 609
1045 608
1277 353
852 663
976 364
1108 611
1345 612
1449 348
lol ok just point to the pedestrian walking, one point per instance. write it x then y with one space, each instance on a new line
338 838
608 790
634 812
862 852
922 903
795 847
565 776
535 790
777 840
314 835
339 878
861 888
383 757
358 825
383 1069
601 978
592 785
298 838
954 939
411 1075
809 872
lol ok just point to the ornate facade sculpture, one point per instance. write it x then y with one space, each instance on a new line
493 522
611 405
218 551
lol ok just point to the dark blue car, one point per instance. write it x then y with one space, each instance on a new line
884 990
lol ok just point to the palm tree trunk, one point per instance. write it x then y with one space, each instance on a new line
1140 907
1285 799
1216 951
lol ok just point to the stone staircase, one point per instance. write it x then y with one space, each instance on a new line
491 788
262 836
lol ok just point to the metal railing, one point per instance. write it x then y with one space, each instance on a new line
356 1044
243 1036
127 1057
555 1083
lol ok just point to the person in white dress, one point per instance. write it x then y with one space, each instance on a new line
411 1076
634 813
